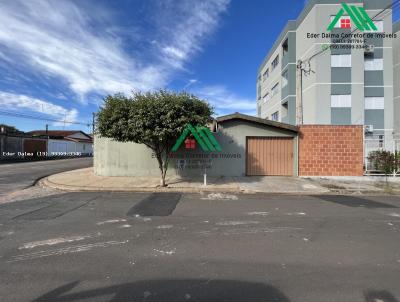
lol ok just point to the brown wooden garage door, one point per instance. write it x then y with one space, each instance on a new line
269 156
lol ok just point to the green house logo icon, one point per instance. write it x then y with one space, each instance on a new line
202 135
357 15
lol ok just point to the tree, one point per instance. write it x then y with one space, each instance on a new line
384 161
9 129
155 119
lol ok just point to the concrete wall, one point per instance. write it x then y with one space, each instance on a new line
34 145
19 144
65 146
10 144
331 150
113 158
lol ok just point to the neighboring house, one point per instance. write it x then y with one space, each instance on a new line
15 144
71 141
396 77
343 86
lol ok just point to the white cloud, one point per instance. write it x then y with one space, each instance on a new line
58 38
224 101
12 101
190 82
186 26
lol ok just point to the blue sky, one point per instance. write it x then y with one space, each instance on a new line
59 58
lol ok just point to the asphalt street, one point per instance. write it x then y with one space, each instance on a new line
19 176
200 247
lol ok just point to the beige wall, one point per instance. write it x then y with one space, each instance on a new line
129 159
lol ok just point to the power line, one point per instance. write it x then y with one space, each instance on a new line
33 117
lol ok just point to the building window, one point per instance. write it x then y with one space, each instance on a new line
371 63
266 74
274 89
374 103
380 137
284 78
340 60
275 62
275 116
341 101
285 47
266 97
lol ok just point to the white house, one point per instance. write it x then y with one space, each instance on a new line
68 141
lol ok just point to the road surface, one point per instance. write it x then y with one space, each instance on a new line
200 247
18 176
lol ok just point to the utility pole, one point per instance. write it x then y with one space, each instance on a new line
47 139
299 93
93 119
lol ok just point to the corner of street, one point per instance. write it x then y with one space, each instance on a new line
204 244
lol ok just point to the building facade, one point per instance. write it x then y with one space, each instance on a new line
396 78
248 146
68 142
345 81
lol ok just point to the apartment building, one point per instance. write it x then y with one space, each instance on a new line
345 81
396 79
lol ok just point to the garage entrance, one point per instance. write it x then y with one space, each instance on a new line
269 156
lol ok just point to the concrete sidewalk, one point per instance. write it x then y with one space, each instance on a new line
86 180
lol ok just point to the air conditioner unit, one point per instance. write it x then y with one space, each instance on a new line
369 48
369 128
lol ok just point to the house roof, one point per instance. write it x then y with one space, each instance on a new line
58 133
79 140
256 120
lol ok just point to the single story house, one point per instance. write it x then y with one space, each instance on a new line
243 145
66 142
17 145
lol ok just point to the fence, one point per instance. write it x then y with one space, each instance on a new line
376 144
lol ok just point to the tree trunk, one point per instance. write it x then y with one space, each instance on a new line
163 165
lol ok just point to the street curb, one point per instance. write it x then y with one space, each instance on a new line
45 182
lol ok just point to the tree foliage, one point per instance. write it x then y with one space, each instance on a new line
155 119
9 129
385 161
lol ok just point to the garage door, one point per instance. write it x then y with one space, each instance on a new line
269 156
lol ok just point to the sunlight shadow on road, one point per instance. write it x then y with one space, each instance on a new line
352 201
201 290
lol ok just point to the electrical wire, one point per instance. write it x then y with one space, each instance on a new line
33 117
